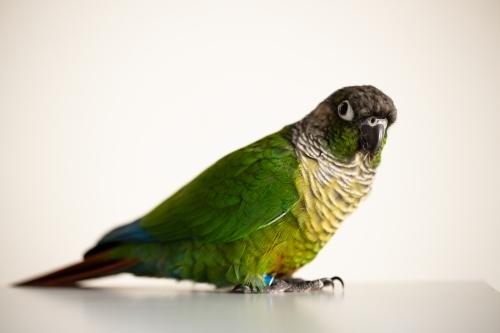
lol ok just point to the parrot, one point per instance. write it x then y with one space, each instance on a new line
260 213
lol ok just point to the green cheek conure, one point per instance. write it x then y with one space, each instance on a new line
260 213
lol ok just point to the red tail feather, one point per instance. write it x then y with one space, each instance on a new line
91 267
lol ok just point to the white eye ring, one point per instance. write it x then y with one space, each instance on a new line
345 111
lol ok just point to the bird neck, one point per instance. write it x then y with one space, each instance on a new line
330 188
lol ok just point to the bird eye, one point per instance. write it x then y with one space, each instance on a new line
345 111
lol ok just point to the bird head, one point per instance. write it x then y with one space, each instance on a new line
351 120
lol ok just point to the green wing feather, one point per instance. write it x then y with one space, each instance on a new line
242 192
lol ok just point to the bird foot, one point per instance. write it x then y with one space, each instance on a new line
289 285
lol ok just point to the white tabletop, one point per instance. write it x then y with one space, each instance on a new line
362 307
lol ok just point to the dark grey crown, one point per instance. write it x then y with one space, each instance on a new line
365 101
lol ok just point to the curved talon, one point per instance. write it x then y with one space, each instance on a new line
327 282
241 288
336 278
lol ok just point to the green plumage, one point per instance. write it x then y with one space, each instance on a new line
232 224
260 212
242 192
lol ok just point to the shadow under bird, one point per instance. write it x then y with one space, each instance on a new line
260 213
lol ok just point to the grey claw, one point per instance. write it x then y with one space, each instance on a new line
327 282
289 285
241 288
336 278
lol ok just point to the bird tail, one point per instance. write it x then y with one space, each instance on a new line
93 266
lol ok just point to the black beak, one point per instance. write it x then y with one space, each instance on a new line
372 134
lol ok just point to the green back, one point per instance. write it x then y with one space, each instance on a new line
242 192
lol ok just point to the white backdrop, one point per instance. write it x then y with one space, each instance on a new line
108 107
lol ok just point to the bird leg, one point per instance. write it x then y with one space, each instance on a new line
289 285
